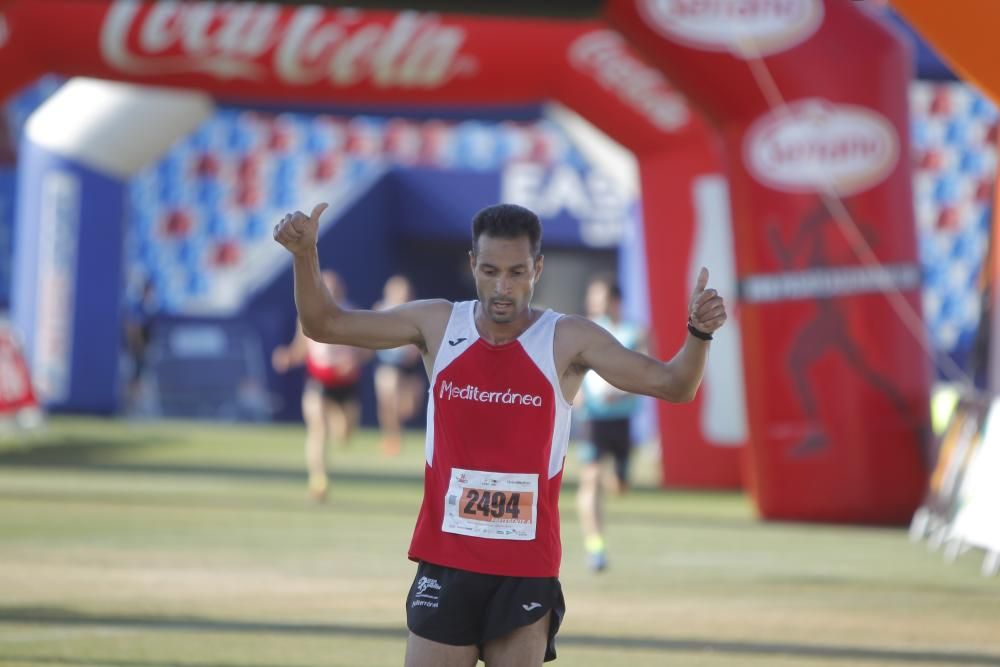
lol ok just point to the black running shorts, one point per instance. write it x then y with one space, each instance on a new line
463 608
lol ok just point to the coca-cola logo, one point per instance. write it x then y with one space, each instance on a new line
745 28
816 146
604 55
300 46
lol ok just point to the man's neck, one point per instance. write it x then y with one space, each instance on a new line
498 333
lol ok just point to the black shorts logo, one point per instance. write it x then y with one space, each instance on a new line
425 593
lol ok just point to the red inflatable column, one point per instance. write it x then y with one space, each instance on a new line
816 136
679 165
693 455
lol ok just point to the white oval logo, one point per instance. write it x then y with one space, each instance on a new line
745 28
814 145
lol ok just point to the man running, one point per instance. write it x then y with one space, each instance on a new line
502 377
608 412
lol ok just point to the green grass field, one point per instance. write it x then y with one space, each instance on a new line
152 545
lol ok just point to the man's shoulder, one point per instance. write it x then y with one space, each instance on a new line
436 302
571 327
439 305
571 320
573 335
432 309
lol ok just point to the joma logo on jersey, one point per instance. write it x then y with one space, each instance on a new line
472 393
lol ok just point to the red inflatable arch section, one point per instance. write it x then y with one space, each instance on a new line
810 133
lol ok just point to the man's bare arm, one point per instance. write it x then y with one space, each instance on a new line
634 372
676 380
325 321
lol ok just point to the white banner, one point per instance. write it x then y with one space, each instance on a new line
977 520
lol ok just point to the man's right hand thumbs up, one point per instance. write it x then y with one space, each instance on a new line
298 231
706 309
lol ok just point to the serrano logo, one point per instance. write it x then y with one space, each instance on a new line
815 145
745 28
304 46
473 393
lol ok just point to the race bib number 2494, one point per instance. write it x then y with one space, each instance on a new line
500 506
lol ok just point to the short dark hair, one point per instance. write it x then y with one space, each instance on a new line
507 221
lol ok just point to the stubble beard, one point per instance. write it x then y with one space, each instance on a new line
499 318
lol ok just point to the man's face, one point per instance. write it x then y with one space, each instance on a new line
505 274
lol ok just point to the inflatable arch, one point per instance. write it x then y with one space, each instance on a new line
805 137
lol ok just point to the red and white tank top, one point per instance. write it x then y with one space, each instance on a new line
497 433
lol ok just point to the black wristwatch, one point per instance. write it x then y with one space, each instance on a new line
697 333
